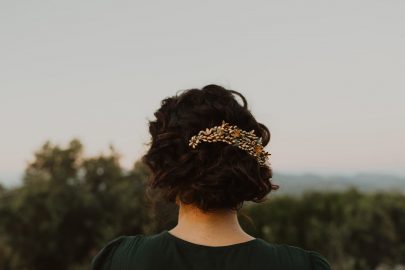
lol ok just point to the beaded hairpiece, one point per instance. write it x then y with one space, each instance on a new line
244 140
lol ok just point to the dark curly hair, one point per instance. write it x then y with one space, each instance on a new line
214 175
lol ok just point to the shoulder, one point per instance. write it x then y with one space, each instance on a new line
302 256
319 262
293 257
103 260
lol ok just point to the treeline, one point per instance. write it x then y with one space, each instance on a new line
70 205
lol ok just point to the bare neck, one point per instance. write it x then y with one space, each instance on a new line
213 228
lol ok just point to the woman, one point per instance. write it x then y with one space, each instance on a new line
207 155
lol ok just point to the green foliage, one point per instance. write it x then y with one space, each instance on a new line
69 206
353 230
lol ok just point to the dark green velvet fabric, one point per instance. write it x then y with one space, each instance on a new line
166 251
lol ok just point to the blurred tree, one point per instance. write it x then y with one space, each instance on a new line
54 164
352 229
70 206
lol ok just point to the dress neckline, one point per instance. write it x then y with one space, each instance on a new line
195 245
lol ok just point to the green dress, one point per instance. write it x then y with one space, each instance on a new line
164 251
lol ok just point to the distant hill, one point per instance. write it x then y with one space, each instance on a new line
296 184
10 179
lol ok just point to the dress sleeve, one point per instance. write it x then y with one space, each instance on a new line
318 261
102 260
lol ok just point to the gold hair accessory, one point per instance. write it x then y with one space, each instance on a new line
245 140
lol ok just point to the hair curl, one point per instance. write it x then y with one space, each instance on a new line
214 175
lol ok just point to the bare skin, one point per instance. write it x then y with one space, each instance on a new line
219 228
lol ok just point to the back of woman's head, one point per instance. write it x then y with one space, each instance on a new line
214 175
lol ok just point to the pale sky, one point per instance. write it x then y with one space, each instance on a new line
326 77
